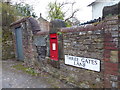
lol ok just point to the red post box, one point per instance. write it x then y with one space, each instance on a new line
54 47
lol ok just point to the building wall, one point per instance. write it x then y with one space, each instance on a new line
44 24
97 8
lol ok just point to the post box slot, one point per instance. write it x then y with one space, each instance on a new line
53 38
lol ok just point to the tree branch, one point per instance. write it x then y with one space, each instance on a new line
63 4
72 15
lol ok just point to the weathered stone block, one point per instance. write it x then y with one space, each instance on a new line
97 40
112 22
114 84
114 27
113 78
87 41
114 56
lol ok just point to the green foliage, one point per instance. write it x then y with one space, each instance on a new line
19 67
68 23
109 15
9 13
25 9
25 69
31 71
59 33
55 11
8 16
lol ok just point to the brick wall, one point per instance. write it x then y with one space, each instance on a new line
111 36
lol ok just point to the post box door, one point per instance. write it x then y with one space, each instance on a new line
54 47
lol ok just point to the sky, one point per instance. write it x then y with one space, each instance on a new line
40 6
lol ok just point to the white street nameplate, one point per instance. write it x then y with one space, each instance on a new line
86 63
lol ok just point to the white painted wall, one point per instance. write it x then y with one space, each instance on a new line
98 7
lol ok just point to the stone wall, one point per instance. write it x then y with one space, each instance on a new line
101 44
29 48
40 41
7 43
30 53
88 44
100 41
111 10
82 42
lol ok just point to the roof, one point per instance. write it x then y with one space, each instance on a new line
33 22
18 21
92 3
98 1
41 18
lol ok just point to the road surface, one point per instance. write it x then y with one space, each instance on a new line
13 78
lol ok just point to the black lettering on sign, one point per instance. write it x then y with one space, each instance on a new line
89 61
71 58
86 60
79 62
75 62
94 62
